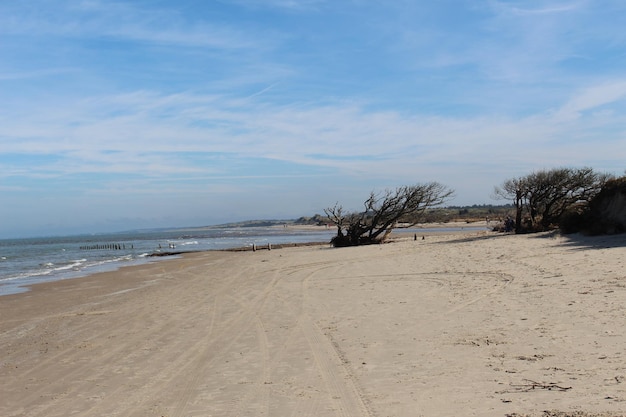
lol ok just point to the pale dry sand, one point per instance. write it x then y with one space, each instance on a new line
454 325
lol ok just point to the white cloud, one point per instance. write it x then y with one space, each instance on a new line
124 21
295 5
593 97
23 75
152 132
546 9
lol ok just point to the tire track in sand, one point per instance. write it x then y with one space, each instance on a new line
212 347
338 378
506 280
347 398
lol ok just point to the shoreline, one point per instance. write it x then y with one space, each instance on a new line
473 324
21 284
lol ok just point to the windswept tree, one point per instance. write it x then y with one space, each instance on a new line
543 197
383 212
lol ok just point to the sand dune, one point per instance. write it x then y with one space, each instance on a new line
473 324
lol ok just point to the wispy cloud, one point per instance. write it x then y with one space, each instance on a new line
547 8
148 133
294 5
94 19
594 97
43 73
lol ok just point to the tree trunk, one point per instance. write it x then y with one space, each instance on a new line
518 213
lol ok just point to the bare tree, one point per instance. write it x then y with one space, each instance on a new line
402 207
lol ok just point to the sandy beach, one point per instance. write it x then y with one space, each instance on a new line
466 324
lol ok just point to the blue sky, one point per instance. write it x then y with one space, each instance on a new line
158 113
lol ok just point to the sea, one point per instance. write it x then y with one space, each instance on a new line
24 262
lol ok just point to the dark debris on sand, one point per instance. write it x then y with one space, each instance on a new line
554 413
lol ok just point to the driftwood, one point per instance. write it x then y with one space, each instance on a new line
532 385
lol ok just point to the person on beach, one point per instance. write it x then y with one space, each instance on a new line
509 224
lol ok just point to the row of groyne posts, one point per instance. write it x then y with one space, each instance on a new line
108 246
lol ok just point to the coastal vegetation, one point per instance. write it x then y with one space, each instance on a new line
604 214
555 198
382 212
569 199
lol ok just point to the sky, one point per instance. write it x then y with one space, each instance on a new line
121 115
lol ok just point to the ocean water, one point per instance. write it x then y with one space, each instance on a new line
24 262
